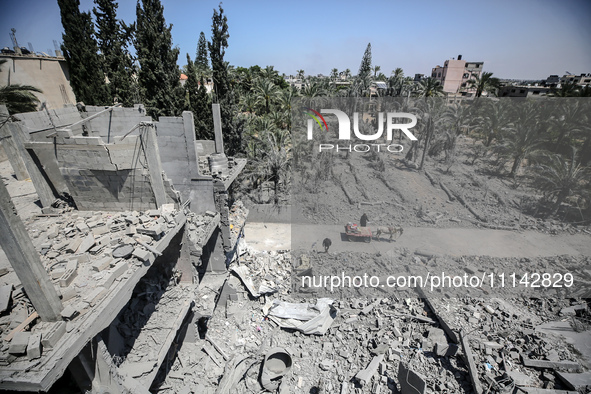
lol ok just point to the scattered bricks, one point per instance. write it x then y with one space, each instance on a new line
131 230
144 219
74 244
82 227
53 232
68 277
153 212
142 254
95 295
102 264
68 293
51 336
34 347
19 342
86 244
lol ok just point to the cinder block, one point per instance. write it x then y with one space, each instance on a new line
68 277
34 347
19 342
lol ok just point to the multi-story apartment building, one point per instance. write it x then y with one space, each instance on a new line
455 74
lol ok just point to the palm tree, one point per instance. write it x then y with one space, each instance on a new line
19 98
274 163
524 137
430 87
484 83
559 178
265 93
494 121
301 74
376 69
347 74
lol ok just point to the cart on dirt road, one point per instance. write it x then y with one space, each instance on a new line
356 232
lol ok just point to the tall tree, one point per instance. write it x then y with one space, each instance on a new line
365 66
81 53
113 37
217 49
202 62
159 73
232 126
362 83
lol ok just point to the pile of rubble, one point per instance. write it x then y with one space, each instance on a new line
86 254
358 344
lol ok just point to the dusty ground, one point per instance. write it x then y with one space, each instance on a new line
450 241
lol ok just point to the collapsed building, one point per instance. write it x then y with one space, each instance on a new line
128 203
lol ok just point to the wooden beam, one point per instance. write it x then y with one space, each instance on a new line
25 260
21 326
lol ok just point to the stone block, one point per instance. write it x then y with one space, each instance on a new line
34 346
19 342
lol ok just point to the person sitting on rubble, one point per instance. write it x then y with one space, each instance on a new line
326 243
363 221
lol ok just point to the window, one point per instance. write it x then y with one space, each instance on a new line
466 75
536 92
522 91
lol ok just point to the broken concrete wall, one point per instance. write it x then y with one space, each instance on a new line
106 176
116 122
176 142
41 123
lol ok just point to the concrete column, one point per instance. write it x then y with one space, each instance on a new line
148 137
217 128
44 191
192 155
14 157
25 260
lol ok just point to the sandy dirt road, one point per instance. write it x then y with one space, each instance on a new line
453 242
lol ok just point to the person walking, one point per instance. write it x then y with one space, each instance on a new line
363 221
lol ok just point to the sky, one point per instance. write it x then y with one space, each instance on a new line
516 39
